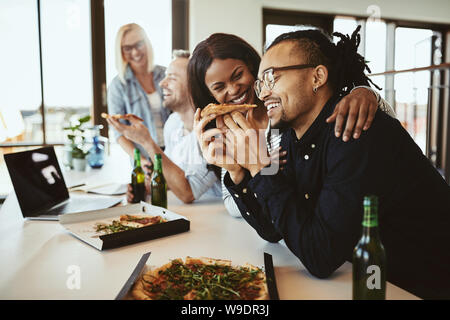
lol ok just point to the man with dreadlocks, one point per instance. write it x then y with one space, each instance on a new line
315 202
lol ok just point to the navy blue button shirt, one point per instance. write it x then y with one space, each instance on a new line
315 202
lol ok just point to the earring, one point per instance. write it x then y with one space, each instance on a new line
315 89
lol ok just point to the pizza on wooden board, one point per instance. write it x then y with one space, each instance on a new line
128 222
201 278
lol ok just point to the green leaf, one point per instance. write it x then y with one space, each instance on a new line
85 119
77 153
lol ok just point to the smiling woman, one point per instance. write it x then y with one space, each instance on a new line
223 68
230 81
136 88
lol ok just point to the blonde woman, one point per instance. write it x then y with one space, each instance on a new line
136 88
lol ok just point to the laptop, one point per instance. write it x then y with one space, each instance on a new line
40 188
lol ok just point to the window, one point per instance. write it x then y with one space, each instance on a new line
375 45
276 22
413 49
274 30
20 117
67 63
375 51
344 25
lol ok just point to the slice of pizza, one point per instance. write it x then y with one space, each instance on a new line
138 221
128 222
220 109
127 116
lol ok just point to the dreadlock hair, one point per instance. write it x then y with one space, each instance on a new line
345 65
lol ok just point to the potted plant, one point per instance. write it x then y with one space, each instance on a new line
79 158
75 153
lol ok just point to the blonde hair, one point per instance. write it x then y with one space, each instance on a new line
121 64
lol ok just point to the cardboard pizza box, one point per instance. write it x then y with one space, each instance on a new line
83 225
139 270
143 266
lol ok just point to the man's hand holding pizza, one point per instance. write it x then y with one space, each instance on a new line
248 143
136 131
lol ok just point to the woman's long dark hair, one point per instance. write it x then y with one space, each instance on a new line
346 67
217 46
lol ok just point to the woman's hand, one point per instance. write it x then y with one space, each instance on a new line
359 107
212 143
136 131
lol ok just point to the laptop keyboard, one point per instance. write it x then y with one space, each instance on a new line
81 205
59 209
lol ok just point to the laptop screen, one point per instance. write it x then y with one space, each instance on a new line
37 180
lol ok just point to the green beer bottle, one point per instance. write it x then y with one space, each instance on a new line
138 178
158 184
369 258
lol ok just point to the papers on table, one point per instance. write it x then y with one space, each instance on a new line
110 189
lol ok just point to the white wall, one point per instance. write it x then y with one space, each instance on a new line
239 17
417 10
244 17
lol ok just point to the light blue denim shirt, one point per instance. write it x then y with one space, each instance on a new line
131 98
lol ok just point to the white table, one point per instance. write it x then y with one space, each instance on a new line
35 256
